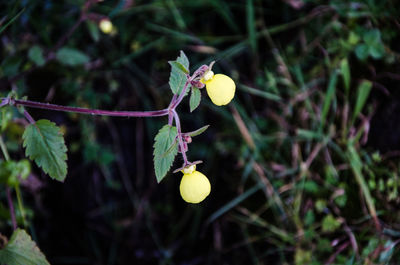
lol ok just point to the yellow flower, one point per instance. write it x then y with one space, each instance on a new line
220 88
194 186
106 26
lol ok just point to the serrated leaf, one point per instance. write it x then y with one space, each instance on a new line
195 98
183 60
71 57
198 131
45 145
35 54
163 157
179 66
178 77
170 149
22 250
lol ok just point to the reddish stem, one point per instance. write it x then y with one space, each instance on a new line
11 206
33 104
180 140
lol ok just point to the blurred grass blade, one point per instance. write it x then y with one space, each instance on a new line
224 10
345 71
127 58
363 91
308 135
234 202
356 166
328 98
258 92
176 15
251 25
11 21
174 33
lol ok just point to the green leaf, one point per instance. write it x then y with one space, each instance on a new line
179 66
22 250
163 155
11 172
329 96
182 59
363 91
362 51
372 37
329 223
71 57
377 51
35 54
179 69
93 30
345 70
44 144
195 98
198 131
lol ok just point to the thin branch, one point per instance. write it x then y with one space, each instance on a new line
8 191
39 105
182 94
29 117
180 140
11 206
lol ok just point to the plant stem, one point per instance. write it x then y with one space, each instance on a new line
181 95
11 206
29 117
39 105
4 149
180 140
8 191
20 204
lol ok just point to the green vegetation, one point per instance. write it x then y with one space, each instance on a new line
303 163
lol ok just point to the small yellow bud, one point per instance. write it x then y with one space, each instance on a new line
220 88
195 186
189 169
208 75
106 26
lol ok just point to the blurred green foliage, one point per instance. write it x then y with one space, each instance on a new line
304 163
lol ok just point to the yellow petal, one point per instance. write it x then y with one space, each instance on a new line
220 89
194 187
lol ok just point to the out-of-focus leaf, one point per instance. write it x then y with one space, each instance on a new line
329 223
363 91
35 54
362 51
71 57
22 250
345 70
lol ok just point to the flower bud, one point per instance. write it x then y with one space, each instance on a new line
106 26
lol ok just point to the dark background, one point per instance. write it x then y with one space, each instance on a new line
284 189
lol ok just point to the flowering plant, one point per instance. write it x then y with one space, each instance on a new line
44 142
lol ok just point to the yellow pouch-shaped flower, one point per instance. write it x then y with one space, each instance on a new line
194 187
220 89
